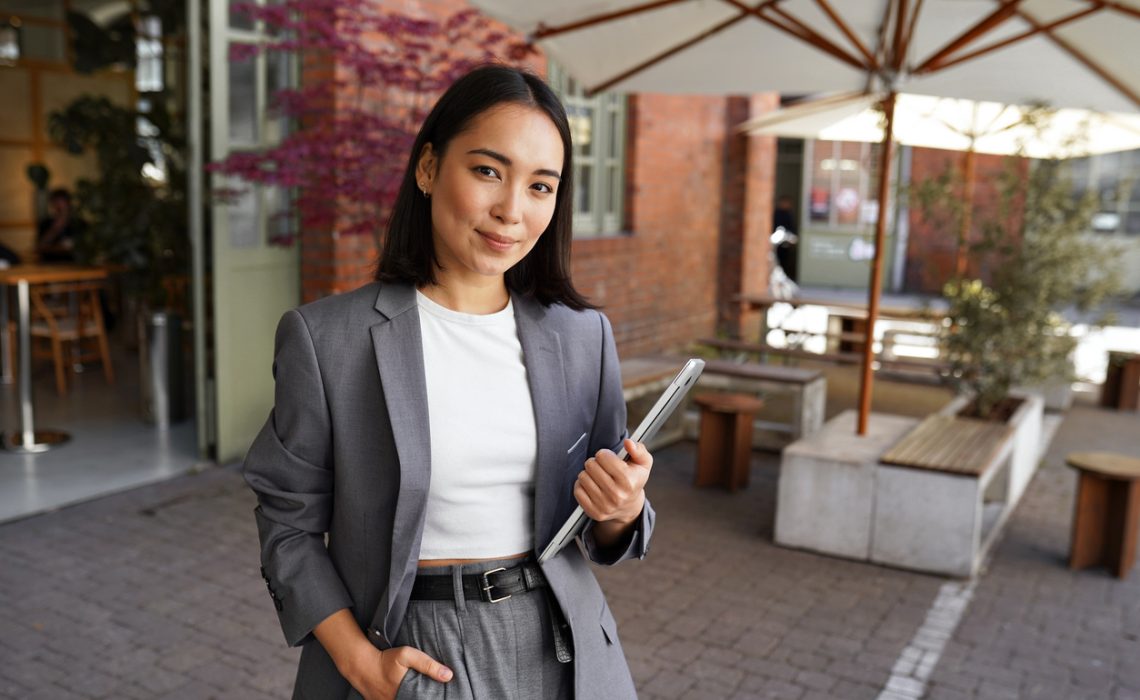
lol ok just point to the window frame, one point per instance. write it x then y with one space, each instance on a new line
608 121
1128 193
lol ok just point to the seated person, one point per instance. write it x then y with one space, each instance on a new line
55 240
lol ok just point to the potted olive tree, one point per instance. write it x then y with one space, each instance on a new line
1009 331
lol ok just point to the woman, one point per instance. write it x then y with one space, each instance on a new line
436 425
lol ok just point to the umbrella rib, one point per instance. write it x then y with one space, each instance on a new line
881 47
910 28
897 49
1082 58
798 30
545 32
851 36
665 54
941 65
1119 7
1006 10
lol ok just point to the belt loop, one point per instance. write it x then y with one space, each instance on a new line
457 586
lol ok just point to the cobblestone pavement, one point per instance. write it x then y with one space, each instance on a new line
155 593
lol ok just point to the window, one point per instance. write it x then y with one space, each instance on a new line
148 54
842 180
597 129
1114 179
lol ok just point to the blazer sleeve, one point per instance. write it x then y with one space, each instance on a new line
289 468
608 432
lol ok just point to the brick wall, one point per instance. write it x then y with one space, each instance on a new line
700 204
932 248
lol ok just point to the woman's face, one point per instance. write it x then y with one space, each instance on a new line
493 191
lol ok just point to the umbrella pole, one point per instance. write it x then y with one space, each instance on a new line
886 158
968 180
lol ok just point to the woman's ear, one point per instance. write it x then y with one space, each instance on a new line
426 168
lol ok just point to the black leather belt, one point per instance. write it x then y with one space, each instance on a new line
492 586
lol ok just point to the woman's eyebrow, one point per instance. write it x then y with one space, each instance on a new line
507 162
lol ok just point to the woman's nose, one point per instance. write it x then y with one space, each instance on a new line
507 208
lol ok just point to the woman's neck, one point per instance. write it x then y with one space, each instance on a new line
478 298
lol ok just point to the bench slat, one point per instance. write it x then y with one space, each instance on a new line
770 373
852 358
949 444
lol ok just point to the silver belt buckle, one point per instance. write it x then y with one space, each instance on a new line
487 586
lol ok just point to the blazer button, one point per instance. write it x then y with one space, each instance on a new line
379 638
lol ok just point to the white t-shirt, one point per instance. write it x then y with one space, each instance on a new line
483 437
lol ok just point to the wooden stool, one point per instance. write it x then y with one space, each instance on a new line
724 447
1107 511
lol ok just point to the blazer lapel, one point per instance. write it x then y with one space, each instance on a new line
542 354
399 357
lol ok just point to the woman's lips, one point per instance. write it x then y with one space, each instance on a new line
496 242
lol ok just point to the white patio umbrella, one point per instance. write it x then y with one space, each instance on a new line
959 125
1068 53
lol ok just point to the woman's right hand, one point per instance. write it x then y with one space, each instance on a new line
375 674
378 674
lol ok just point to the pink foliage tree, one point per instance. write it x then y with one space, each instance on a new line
369 76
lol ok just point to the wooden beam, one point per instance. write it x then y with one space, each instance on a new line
881 50
1120 7
910 27
885 161
987 24
796 28
816 39
607 84
847 32
1092 65
545 32
978 53
897 47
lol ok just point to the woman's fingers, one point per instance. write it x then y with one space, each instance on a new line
410 657
609 488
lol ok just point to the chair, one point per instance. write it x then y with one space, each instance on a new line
69 316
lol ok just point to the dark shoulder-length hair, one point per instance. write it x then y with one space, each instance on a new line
408 254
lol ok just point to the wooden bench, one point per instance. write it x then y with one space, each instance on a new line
807 387
943 494
926 495
886 363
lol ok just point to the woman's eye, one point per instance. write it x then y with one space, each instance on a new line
543 187
486 170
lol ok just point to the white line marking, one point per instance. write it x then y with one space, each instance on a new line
912 669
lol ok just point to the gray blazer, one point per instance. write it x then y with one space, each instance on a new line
346 453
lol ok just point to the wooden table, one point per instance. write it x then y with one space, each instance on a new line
854 314
1107 511
28 438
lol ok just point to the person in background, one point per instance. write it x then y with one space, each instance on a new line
784 216
58 232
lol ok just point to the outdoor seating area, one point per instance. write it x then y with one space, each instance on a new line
311 314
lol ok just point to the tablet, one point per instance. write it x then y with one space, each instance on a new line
670 399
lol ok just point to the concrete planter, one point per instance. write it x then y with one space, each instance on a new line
836 497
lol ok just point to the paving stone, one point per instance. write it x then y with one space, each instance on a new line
155 592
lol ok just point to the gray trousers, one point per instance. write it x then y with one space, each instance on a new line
498 651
